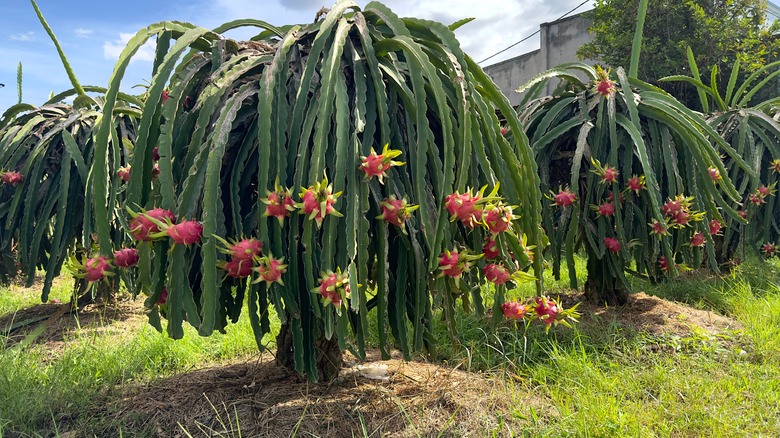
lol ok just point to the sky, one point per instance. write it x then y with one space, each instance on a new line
94 32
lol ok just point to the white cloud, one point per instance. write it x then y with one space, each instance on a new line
498 23
83 33
27 36
112 49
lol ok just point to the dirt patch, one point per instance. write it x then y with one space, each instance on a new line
382 398
655 316
123 315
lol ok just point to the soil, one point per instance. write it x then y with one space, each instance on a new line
655 316
375 398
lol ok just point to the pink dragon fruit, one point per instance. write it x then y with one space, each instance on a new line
715 227
334 287
496 274
317 201
515 310
124 173
546 310
245 250
565 198
499 218
396 211
607 209
490 248
376 165
163 297
97 268
271 270
697 240
636 184
185 232
715 174
238 268
12 178
769 249
279 203
143 228
612 244
126 257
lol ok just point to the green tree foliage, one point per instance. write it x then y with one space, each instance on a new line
720 32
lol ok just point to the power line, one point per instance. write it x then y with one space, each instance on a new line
529 36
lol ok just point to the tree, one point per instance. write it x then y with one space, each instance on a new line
305 115
629 172
718 31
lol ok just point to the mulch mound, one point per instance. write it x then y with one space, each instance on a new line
383 398
655 316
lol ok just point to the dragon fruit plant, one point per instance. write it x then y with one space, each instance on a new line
344 146
642 174
46 154
751 131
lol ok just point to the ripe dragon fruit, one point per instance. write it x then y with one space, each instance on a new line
715 227
490 248
279 203
124 173
498 218
604 86
163 297
658 228
697 240
756 199
769 249
376 165
97 268
546 310
607 173
464 207
317 201
238 268
612 244
454 263
271 270
496 274
156 154
636 184
515 310
714 174
671 208
12 178
185 232
245 250
607 209
663 264
143 228
765 191
334 287
126 257
504 130
564 198
396 211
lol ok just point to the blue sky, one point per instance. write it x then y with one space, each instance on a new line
93 32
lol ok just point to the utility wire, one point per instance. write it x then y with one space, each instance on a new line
529 36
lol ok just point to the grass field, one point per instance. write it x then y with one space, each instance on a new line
602 378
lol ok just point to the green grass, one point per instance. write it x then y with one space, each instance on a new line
38 391
597 379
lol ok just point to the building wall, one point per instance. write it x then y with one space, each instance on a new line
559 43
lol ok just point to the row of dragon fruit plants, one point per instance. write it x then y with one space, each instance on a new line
186 192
